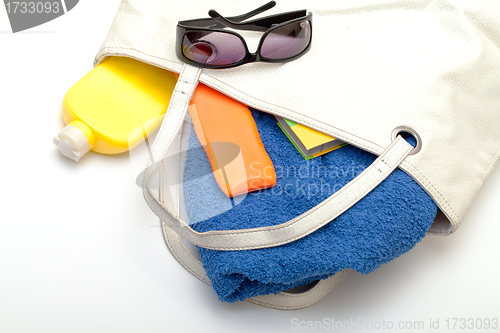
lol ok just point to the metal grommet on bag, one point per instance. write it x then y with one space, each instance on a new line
408 130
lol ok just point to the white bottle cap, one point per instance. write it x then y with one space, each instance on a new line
72 143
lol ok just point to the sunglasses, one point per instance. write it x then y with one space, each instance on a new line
203 43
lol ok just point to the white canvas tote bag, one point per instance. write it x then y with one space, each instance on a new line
375 68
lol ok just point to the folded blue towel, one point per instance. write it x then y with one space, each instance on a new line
388 222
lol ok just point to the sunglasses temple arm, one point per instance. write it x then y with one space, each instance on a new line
234 22
235 25
254 12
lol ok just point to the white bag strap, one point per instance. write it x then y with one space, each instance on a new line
246 239
280 301
170 197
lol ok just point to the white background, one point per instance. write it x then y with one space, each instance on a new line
81 252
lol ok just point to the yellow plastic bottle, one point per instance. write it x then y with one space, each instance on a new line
114 107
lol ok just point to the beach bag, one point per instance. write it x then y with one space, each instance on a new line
376 69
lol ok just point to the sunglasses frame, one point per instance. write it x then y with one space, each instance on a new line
265 24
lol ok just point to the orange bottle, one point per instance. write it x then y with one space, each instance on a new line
219 120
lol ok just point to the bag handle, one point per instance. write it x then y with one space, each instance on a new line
256 238
280 301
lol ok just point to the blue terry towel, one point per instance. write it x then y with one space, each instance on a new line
388 222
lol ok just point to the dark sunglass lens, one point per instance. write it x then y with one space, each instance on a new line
213 48
202 51
287 41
